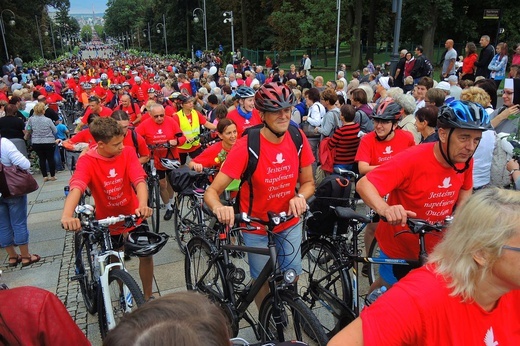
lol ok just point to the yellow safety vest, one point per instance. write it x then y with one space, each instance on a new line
190 131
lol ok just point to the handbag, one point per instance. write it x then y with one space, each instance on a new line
308 130
15 181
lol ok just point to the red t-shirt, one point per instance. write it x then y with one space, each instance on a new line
417 181
208 156
52 98
83 136
159 134
33 316
418 310
131 111
140 91
111 181
243 123
375 152
105 113
275 178
185 88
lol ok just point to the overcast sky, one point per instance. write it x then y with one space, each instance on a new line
85 6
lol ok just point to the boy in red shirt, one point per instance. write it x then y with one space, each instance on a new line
110 164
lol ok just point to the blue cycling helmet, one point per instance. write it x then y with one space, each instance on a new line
244 92
49 88
464 115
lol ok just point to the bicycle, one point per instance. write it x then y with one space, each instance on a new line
154 189
282 315
330 285
106 287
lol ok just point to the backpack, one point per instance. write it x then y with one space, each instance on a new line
501 155
333 191
135 141
253 150
427 68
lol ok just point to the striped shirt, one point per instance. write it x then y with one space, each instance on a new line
346 142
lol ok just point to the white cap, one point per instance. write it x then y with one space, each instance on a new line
137 78
508 84
443 86
384 82
93 81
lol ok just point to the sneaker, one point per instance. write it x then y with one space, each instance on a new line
364 270
168 214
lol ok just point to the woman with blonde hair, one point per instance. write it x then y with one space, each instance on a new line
467 294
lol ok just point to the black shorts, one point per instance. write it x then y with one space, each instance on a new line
162 174
193 154
118 241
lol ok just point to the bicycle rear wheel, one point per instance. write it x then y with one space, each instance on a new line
119 283
187 219
297 321
84 270
154 202
373 269
324 286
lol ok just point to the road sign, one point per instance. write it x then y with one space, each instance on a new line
492 14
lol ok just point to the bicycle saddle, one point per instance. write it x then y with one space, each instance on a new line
345 213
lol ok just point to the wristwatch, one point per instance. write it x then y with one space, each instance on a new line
302 196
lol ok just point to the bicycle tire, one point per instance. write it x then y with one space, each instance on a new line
186 219
373 269
154 202
117 278
324 286
299 322
84 267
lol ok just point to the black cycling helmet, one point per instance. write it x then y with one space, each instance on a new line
461 115
388 110
144 243
273 97
464 115
244 92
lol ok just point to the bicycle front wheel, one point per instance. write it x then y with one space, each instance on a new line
125 296
373 269
297 322
154 202
324 286
84 270
187 219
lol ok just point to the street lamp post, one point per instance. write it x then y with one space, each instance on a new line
52 38
338 5
163 24
230 20
38 27
196 20
149 37
2 28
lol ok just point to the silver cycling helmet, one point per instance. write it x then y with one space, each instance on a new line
170 164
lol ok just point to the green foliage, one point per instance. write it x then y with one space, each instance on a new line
86 33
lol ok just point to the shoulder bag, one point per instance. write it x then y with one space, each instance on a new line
15 181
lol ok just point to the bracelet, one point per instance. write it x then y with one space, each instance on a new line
301 196
513 171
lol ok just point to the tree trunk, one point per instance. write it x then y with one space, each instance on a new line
325 60
355 41
244 10
371 37
429 34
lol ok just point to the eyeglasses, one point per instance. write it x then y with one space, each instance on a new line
512 248
508 92
159 115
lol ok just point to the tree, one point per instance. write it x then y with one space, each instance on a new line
86 33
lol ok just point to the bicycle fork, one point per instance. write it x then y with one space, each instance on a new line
126 300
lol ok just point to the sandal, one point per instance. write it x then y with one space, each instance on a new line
31 261
18 259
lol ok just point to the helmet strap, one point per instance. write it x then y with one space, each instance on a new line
446 156
379 139
277 134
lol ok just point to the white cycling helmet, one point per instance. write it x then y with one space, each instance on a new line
170 164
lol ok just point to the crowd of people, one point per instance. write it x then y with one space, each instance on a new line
428 145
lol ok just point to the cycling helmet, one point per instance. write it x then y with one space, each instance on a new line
273 97
104 76
126 84
170 164
244 92
151 91
49 88
87 86
463 115
388 110
174 95
144 243
159 94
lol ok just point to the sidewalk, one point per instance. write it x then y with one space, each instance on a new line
55 246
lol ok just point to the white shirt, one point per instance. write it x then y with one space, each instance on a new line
483 158
12 156
315 114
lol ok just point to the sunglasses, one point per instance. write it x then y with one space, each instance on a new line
159 115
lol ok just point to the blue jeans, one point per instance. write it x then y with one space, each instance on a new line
288 248
13 221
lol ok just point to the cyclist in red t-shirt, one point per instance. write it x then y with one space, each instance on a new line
245 115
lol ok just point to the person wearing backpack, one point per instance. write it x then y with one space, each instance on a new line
280 164
420 68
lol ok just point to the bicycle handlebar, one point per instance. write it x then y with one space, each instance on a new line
417 226
108 221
